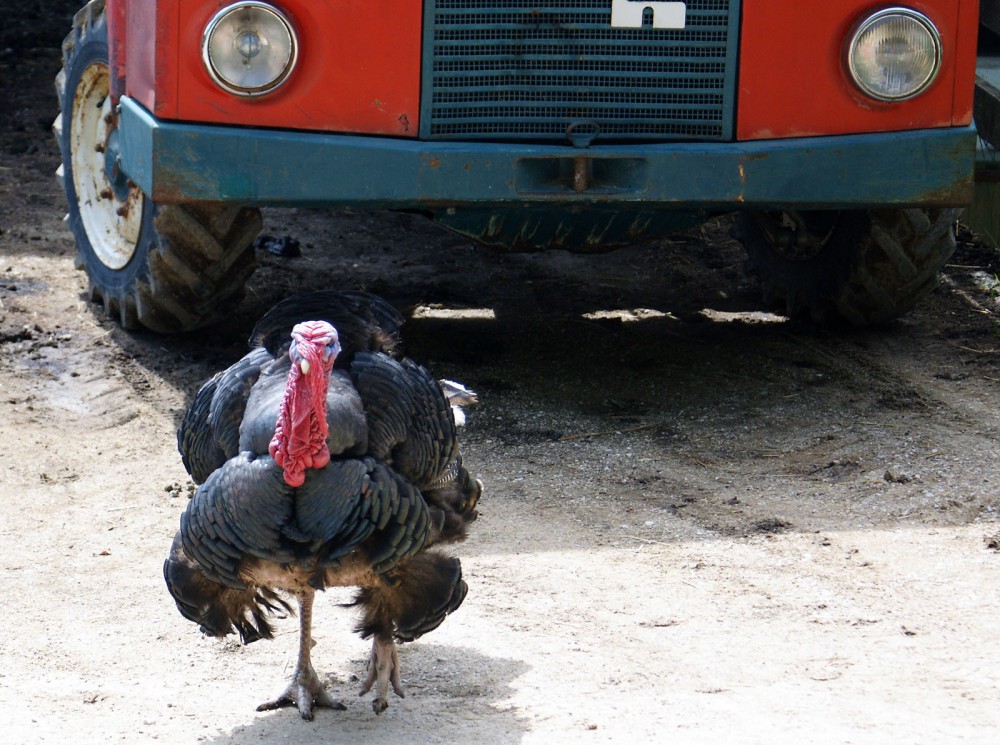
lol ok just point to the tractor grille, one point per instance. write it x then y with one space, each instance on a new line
521 70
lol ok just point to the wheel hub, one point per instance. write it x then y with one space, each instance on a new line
797 236
119 182
110 206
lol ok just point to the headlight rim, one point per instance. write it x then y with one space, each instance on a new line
866 22
212 26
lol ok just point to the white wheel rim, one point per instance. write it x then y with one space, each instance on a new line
112 226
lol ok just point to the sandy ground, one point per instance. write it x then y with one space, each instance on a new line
697 527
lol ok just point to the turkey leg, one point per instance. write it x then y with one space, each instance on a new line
305 690
383 669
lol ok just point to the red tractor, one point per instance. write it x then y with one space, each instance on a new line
839 132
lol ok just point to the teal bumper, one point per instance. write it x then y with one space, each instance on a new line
182 162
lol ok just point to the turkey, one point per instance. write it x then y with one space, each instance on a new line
324 458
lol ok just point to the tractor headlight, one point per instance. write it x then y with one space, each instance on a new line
249 48
894 54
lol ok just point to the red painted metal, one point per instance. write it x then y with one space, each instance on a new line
793 83
965 61
358 68
147 51
115 13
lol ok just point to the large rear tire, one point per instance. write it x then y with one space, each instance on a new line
168 268
862 267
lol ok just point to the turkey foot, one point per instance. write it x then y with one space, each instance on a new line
383 669
304 692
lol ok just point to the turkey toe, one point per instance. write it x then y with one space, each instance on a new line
304 692
383 670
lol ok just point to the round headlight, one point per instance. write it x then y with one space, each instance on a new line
894 54
249 48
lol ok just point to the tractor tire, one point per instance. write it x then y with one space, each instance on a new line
859 267
167 268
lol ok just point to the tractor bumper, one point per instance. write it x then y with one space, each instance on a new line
175 162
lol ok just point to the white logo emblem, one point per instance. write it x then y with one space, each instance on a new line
628 13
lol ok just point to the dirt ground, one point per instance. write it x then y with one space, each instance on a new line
701 524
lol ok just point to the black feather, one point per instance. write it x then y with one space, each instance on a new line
365 322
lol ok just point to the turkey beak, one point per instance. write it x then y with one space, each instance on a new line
304 366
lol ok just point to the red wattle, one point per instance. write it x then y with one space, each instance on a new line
300 433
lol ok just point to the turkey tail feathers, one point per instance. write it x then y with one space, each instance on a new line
366 323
